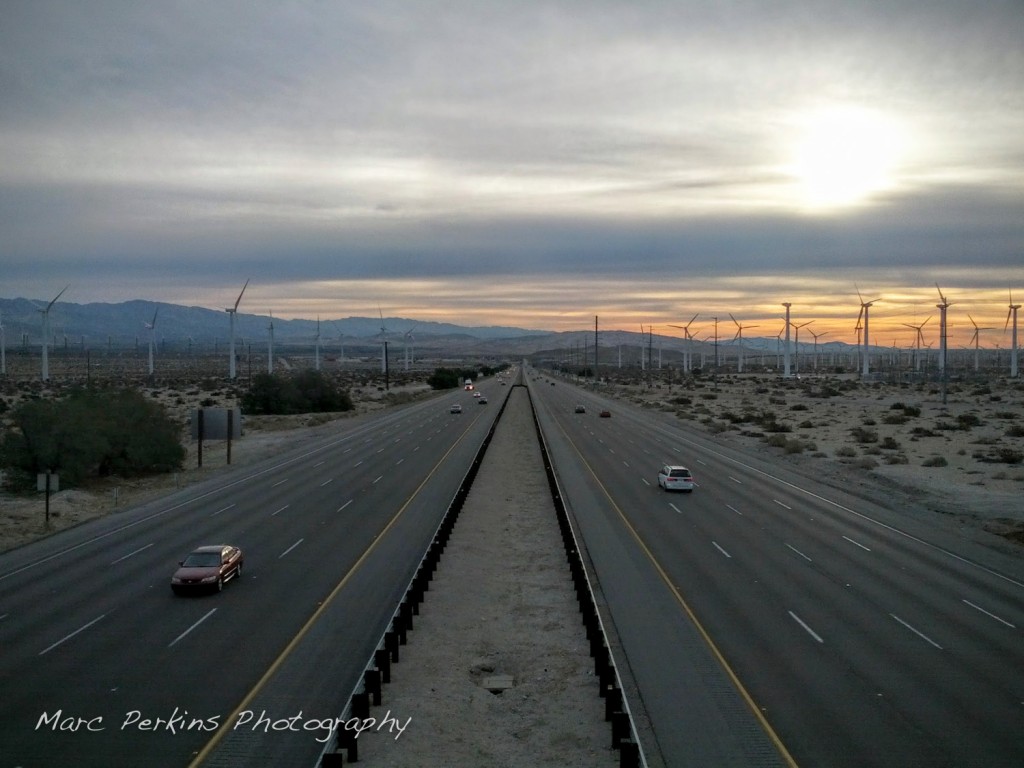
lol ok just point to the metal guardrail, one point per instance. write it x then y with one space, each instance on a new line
369 690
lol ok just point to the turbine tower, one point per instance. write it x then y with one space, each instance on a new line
270 345
816 337
919 342
405 341
976 339
46 334
942 327
383 342
3 347
688 354
864 307
152 338
232 311
317 344
739 337
1013 336
797 343
787 305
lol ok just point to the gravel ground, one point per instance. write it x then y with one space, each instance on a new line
501 604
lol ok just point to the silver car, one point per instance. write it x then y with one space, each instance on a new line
675 478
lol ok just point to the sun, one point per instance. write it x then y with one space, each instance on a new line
843 156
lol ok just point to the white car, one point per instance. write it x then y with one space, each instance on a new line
456 408
675 478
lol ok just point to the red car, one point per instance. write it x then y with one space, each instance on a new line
208 568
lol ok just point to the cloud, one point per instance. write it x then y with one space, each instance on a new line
634 155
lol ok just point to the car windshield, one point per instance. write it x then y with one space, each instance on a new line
202 560
679 473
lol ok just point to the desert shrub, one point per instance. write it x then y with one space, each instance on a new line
865 463
967 420
922 432
798 407
708 396
1015 431
846 452
309 391
1005 415
896 458
894 418
681 400
911 411
890 444
935 461
805 425
1001 456
862 435
90 433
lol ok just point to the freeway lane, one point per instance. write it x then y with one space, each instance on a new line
90 628
865 637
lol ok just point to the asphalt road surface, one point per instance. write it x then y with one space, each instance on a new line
862 636
103 666
834 630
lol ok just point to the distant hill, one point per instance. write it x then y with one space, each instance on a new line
121 324
124 324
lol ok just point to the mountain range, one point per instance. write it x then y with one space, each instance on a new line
126 324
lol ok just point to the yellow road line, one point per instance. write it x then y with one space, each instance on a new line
772 735
272 669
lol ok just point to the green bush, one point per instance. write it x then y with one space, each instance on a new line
90 433
308 391
935 461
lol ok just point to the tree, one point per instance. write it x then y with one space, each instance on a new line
307 392
90 433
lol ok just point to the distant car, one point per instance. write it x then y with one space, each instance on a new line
477 394
606 414
580 408
675 478
456 408
482 400
207 569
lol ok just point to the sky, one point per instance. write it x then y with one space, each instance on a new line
533 164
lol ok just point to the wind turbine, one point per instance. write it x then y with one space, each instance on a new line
232 311
46 334
920 340
1013 337
816 337
270 345
688 359
787 305
864 307
942 327
383 342
405 342
317 344
152 338
976 339
739 337
3 347
797 343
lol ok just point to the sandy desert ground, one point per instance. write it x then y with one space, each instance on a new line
961 459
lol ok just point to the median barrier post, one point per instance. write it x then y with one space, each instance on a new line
382 660
371 682
391 644
361 705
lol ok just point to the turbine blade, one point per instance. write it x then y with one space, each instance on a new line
240 295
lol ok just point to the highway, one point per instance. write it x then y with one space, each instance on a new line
103 666
858 636
765 619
